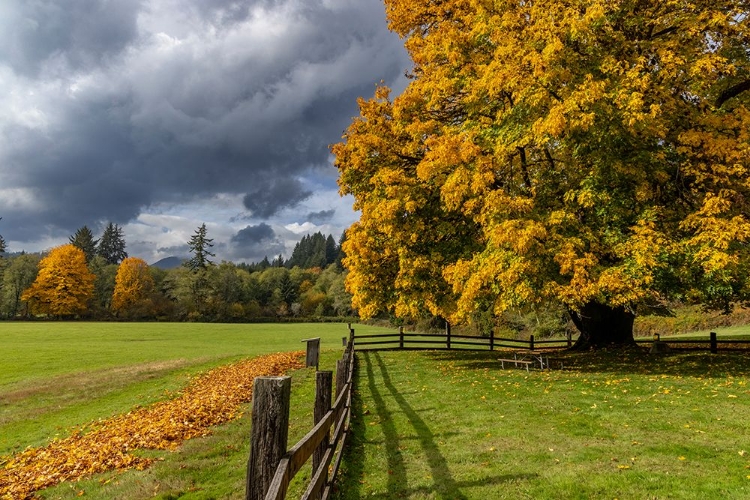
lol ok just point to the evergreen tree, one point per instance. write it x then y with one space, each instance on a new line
199 245
311 251
84 239
331 250
112 244
2 242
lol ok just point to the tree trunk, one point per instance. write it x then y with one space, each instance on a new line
603 326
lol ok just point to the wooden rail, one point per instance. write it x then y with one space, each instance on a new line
325 448
445 341
432 341
712 343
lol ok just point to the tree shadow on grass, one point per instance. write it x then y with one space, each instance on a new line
634 360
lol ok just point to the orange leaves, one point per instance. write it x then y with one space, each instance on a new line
210 399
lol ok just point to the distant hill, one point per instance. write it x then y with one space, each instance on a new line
169 262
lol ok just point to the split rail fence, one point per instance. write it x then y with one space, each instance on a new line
444 341
712 343
271 466
447 340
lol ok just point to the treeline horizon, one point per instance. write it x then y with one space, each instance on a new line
307 286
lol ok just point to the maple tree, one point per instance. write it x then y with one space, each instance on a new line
63 286
133 286
589 153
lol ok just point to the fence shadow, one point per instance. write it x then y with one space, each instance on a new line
444 484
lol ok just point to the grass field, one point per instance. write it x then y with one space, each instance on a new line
428 425
57 376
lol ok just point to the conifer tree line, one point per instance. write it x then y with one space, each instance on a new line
94 278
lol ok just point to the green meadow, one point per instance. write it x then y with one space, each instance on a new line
626 425
427 425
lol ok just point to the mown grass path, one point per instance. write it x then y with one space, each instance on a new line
453 425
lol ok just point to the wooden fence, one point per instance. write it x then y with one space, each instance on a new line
712 343
447 340
432 341
271 467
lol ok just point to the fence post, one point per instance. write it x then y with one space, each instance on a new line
492 339
447 334
351 336
531 342
270 428
313 352
400 337
570 339
323 382
340 376
714 344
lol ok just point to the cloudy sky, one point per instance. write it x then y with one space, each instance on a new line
160 115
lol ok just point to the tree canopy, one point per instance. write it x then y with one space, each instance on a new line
133 286
589 153
63 286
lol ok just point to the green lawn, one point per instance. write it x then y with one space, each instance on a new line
444 425
453 425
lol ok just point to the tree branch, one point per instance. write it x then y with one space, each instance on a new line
732 91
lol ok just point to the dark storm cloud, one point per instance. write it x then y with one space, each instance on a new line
253 243
112 107
70 33
281 193
321 217
252 235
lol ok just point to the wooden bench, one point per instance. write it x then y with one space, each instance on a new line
516 362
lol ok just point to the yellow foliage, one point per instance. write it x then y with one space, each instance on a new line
133 284
584 151
64 284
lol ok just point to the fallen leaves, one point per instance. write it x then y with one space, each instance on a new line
210 399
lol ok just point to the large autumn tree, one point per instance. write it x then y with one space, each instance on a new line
592 153
64 285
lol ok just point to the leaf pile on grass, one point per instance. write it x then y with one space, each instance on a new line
210 399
